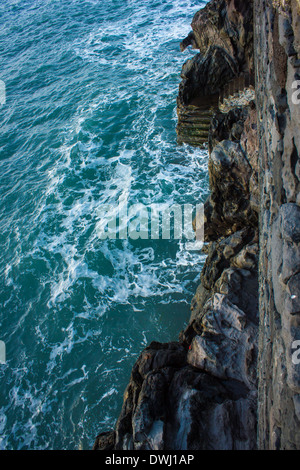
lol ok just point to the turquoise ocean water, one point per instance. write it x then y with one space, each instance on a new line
90 116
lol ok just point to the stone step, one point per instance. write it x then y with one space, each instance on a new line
203 116
195 110
192 124
186 132
199 142
195 119
189 131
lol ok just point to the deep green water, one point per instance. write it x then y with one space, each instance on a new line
90 115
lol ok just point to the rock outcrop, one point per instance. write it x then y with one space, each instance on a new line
223 32
230 381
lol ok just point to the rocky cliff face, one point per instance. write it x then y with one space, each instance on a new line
230 382
277 37
223 32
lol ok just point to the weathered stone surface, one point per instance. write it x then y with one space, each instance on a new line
223 253
249 144
223 33
226 347
229 207
277 39
285 258
227 24
227 126
182 408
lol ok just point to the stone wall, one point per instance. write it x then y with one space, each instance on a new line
277 41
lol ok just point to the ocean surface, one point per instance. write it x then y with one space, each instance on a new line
90 116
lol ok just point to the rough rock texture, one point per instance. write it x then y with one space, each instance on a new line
223 31
277 36
230 381
170 405
194 122
227 24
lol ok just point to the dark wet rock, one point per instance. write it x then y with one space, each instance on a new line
205 75
227 126
227 24
228 208
188 41
178 408
209 413
223 32
141 422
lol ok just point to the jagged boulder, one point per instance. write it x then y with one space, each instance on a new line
205 75
228 208
227 24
